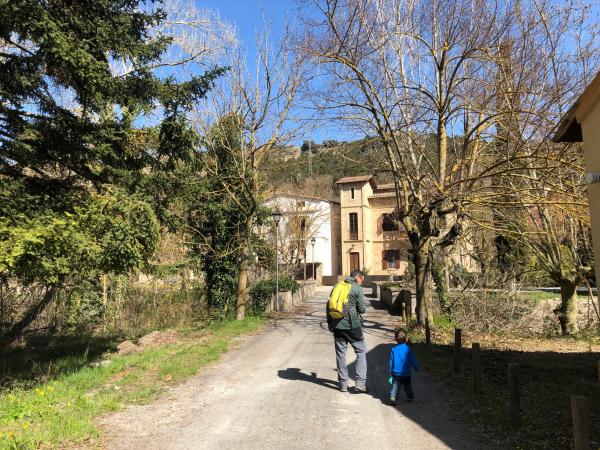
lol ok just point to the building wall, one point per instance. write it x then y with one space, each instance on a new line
373 241
590 128
325 229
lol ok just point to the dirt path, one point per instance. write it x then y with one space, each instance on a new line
278 389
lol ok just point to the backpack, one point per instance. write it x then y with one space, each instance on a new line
337 306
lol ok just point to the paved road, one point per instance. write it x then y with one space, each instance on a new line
278 390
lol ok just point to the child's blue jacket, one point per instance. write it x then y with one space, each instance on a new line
401 358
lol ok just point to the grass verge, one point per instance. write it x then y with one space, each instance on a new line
551 370
62 411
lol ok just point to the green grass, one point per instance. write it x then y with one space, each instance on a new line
63 410
538 296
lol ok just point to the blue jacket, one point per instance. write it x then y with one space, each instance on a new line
401 358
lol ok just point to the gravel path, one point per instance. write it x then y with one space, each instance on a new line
278 390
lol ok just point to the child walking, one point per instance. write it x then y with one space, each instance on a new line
401 360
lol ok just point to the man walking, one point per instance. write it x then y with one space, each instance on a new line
348 329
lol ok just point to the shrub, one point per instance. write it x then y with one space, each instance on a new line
261 292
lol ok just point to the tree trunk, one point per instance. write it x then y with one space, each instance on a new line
422 262
567 313
17 329
242 287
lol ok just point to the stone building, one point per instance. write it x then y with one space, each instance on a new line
372 238
305 218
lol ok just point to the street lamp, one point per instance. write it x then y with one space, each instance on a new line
276 215
312 242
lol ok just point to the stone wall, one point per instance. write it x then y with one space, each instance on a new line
287 300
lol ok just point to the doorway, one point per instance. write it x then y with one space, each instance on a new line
354 261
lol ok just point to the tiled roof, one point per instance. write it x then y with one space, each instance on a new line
354 179
386 186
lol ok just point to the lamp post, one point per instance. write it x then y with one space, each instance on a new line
304 255
312 242
276 215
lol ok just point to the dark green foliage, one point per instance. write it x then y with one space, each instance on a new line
82 188
437 274
67 125
216 219
79 235
511 256
261 293
348 159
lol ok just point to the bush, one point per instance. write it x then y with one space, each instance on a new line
261 292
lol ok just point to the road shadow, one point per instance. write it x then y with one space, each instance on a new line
428 410
296 374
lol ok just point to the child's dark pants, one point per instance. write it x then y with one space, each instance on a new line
401 381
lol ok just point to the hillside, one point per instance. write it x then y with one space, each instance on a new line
329 164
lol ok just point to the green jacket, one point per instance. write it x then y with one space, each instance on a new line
356 306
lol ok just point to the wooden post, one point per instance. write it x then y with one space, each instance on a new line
476 361
599 371
581 422
514 394
427 332
457 349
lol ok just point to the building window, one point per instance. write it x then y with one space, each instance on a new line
389 222
301 204
391 259
353 226
352 193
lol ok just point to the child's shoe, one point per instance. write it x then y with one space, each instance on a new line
393 401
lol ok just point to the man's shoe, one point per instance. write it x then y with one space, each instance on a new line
343 387
410 400
361 387
393 401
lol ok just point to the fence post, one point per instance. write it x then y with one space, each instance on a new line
457 349
476 361
599 371
581 422
514 394
427 331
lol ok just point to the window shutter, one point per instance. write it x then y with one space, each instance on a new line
397 257
384 263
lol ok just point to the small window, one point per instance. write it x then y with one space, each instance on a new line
391 259
301 204
352 192
389 222
353 218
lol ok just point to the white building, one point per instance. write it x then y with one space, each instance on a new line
305 218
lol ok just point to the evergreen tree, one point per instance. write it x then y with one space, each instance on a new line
69 148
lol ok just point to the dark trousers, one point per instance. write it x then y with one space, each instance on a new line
397 383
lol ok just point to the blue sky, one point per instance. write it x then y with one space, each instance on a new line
248 17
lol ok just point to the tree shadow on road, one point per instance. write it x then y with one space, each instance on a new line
294 373
431 414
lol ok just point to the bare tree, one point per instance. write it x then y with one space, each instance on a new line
303 218
423 77
198 38
259 102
